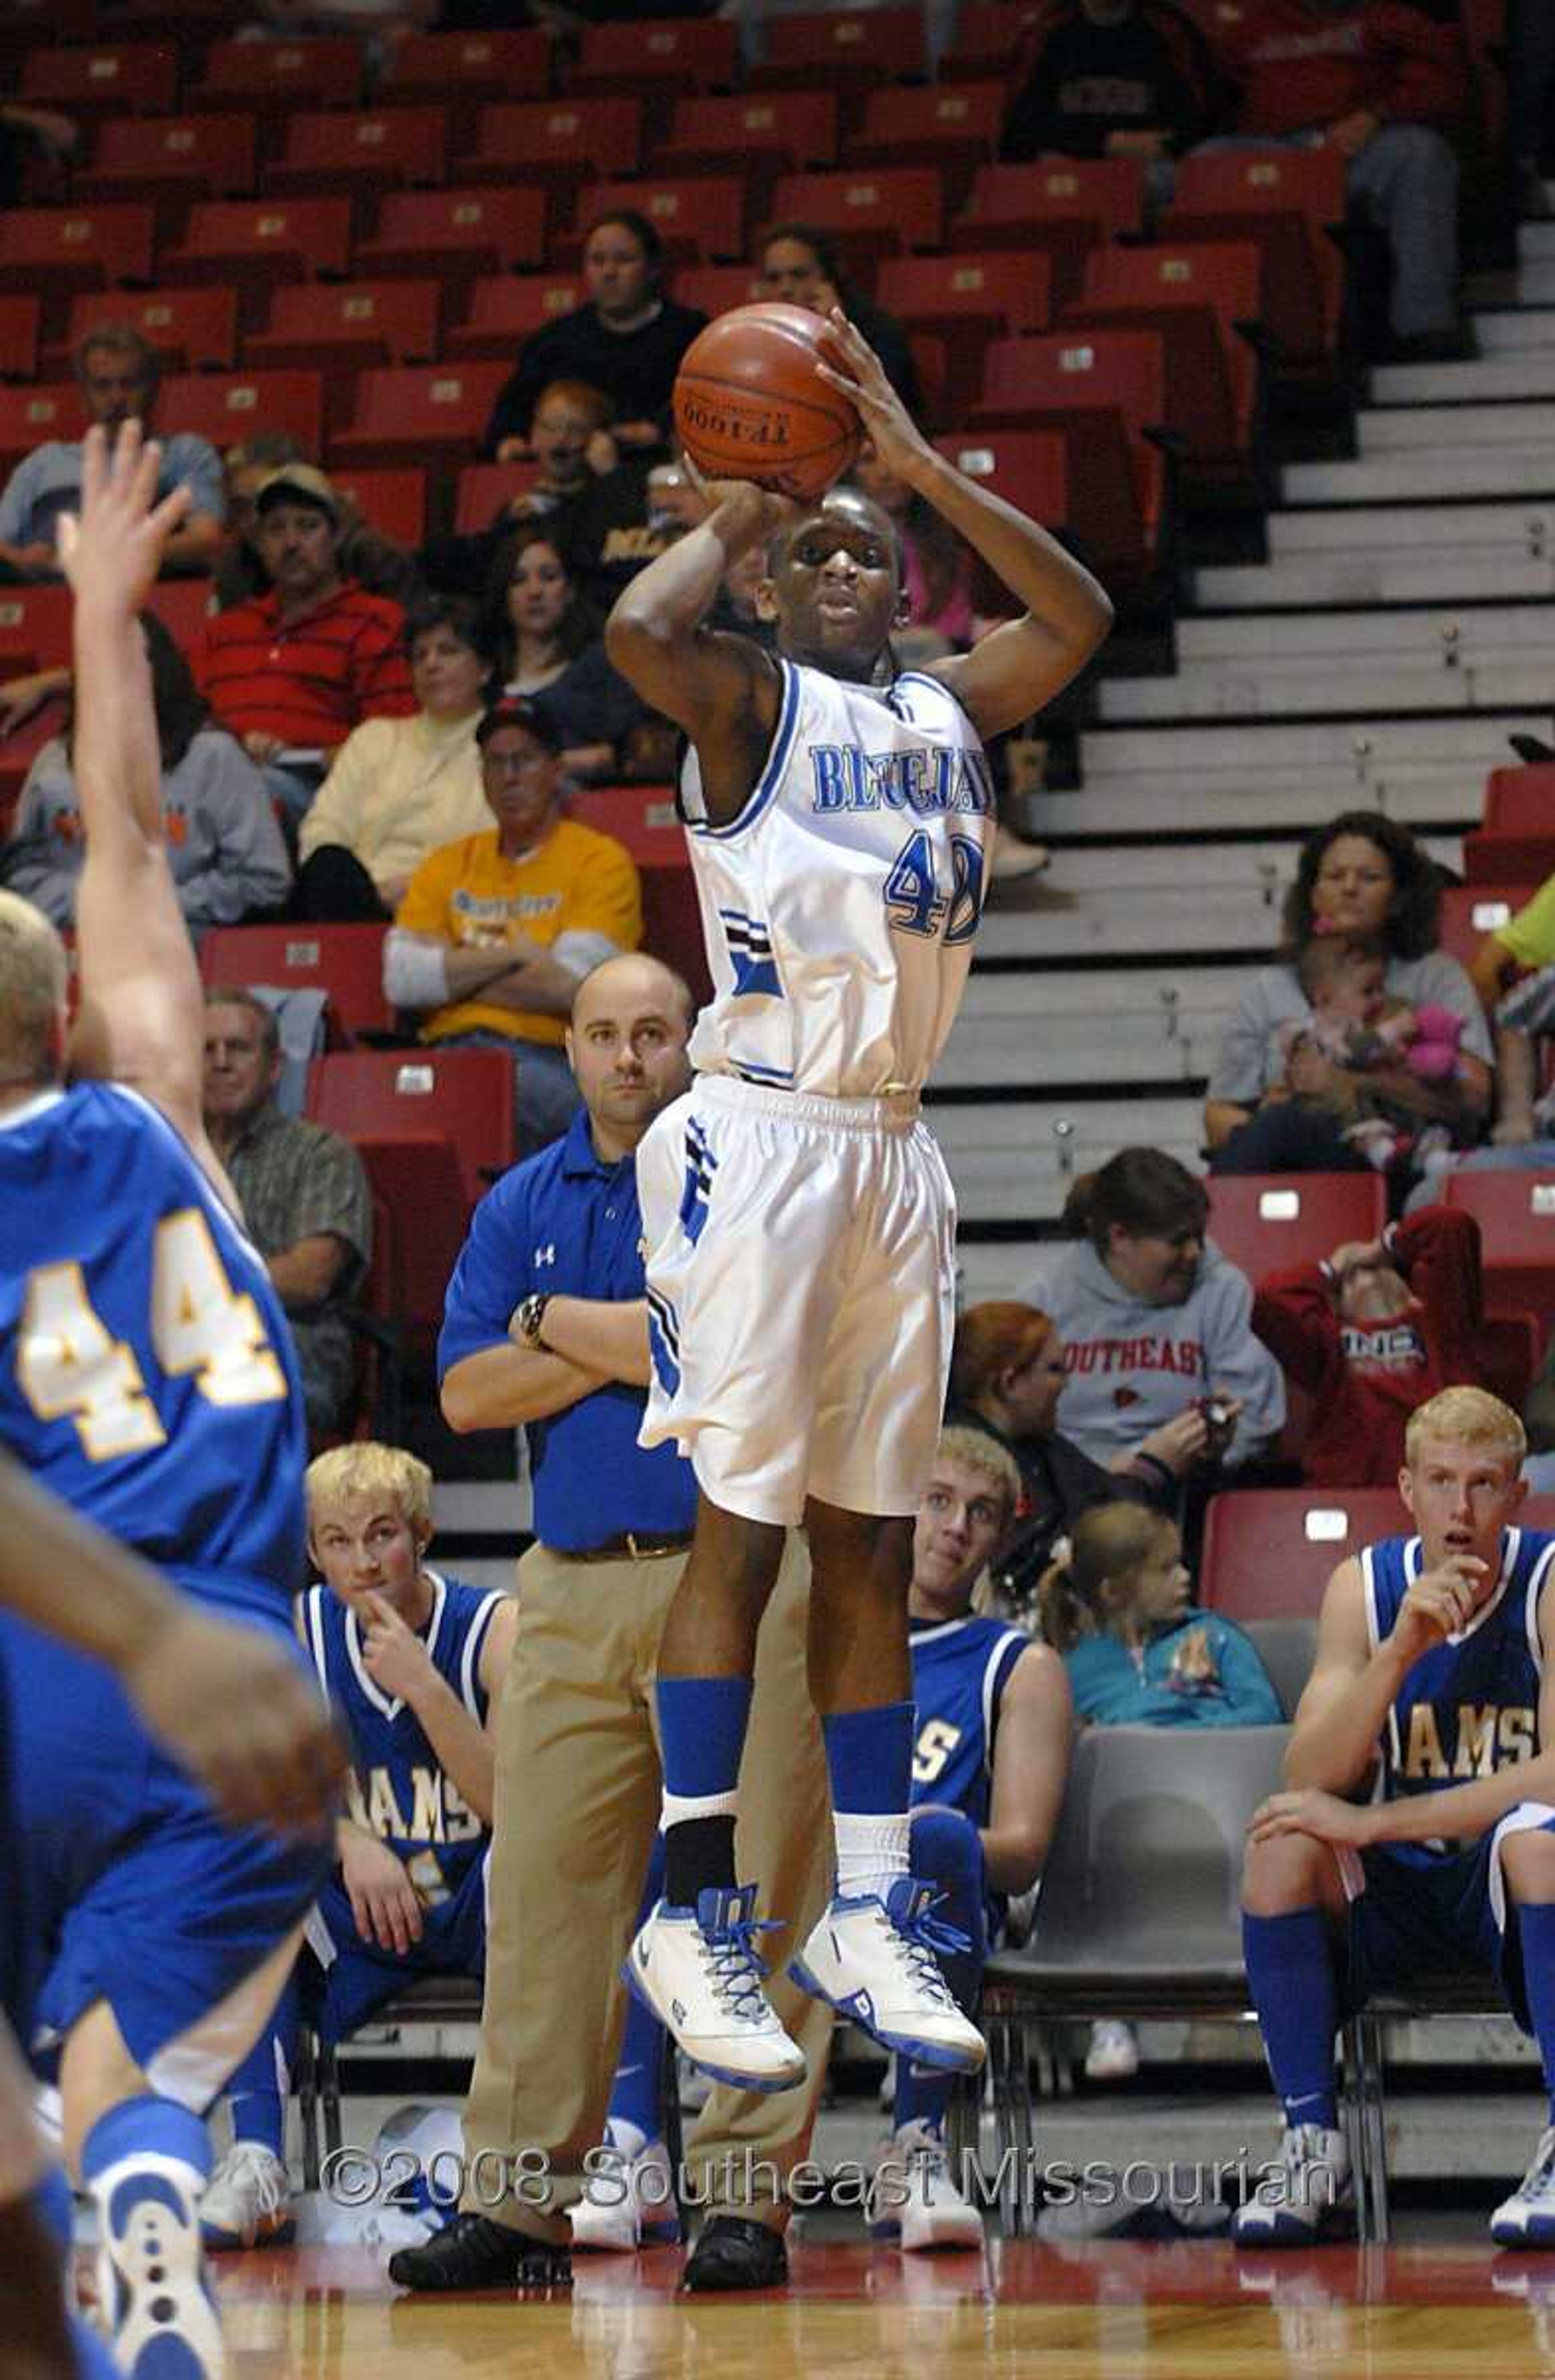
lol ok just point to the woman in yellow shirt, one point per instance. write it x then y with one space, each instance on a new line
496 931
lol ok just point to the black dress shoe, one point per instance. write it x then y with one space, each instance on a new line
734 2254
473 2252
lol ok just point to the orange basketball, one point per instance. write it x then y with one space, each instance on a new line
750 405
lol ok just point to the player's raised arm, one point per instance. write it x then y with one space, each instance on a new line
141 1013
713 685
1022 664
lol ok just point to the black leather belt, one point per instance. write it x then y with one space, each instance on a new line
632 1545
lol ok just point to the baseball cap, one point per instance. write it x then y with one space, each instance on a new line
303 481
521 711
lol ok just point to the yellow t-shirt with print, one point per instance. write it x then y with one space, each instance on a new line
577 882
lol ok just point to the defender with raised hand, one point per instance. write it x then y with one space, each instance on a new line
798 1218
146 1377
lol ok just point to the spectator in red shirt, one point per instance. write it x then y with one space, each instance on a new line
1371 1333
291 673
1379 81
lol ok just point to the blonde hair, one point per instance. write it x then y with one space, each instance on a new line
974 1450
34 975
1473 1416
364 1468
1107 1542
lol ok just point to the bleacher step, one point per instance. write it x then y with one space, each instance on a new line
1527 371
1294 801
1390 429
1423 574
1455 469
1522 522
1507 330
1369 747
1361 687
1473 632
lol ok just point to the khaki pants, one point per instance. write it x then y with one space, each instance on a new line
577 1804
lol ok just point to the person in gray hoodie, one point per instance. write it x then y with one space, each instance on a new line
1157 1325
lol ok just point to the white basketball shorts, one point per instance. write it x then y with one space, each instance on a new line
801 1297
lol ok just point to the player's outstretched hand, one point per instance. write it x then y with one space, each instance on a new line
111 550
775 512
242 1717
860 375
1322 1816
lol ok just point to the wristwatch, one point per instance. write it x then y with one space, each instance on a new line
529 1319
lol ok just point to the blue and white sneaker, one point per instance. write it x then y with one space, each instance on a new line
1304 2197
1526 2219
151 2285
629 2204
697 1970
873 1960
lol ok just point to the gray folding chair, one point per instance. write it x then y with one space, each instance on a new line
1139 1913
1287 1649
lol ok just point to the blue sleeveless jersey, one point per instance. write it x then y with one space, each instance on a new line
147 1373
398 1790
960 1670
1470 1705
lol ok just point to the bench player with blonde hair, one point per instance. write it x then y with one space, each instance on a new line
1434 1693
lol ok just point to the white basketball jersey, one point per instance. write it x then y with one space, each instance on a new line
839 907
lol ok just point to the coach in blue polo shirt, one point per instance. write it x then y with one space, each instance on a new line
546 1325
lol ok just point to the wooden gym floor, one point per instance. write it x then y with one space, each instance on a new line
1458 2311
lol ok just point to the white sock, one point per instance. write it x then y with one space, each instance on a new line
871 1852
625 2138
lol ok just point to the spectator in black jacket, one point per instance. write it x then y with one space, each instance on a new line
1008 1371
626 339
1114 78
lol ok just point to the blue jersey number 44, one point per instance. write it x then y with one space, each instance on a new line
912 892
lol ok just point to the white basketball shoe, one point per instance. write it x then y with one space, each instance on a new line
1306 2196
248 2200
873 1960
629 2203
1526 2219
698 1970
913 2196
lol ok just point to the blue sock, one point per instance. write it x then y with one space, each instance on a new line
93 2358
637 2092
1290 1973
946 1852
702 1726
147 2126
1536 1928
870 1761
260 2083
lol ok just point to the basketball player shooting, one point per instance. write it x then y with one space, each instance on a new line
798 1218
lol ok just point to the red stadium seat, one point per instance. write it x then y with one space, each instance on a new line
844 50
951 128
420 1216
645 819
504 313
458 235
133 79
1261 1221
322 70
344 327
1518 839
52 254
562 142
1515 1213
463 1095
30 417
254 245
1288 203
973 300
176 160
183 605
1029 468
784 130
20 321
463 69
393 503
1107 391
990 36
696 216
871 214
717 289
227 407
665 55
1065 207
1196 298
1469 912
1269 1552
192 330
20 748
386 148
34 627
484 487
418 414
346 961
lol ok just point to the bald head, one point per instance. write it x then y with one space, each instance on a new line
34 976
631 1020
